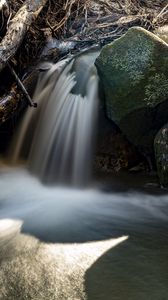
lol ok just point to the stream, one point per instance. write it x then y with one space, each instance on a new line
66 243
65 235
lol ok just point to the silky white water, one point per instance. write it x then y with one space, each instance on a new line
57 139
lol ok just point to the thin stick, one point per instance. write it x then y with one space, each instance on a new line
160 14
23 89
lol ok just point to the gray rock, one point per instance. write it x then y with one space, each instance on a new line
134 75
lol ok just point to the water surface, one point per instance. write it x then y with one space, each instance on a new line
63 243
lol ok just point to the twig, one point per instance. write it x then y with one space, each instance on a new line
160 14
23 89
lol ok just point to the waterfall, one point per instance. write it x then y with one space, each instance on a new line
57 138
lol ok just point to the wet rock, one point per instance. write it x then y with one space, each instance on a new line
54 49
134 75
161 154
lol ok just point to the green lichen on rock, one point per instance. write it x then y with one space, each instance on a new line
131 62
161 154
134 73
156 90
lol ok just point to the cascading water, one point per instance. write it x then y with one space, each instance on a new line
57 139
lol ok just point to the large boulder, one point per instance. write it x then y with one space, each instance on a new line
133 71
161 154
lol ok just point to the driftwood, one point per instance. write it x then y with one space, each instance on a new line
17 28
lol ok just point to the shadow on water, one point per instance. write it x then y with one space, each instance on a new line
135 269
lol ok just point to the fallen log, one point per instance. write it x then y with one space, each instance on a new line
9 104
17 28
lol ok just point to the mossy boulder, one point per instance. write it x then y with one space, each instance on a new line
161 154
133 71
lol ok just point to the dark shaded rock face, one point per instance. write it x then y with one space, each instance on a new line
134 75
161 154
114 152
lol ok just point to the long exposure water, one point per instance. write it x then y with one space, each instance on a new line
57 139
63 243
71 243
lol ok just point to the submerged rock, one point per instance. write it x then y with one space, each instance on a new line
134 74
161 154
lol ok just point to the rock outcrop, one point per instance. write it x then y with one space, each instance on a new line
134 74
